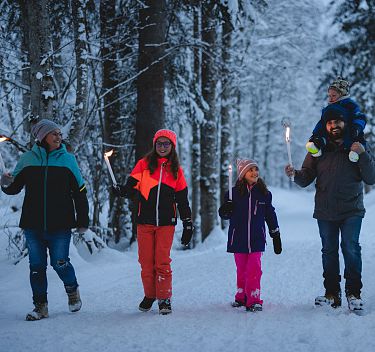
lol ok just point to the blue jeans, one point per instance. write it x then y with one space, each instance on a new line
351 250
58 247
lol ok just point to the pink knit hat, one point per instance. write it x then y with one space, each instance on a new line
167 134
244 165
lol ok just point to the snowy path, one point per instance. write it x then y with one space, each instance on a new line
204 284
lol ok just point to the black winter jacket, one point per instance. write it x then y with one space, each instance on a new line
54 190
339 182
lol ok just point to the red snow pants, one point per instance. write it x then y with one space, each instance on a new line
154 247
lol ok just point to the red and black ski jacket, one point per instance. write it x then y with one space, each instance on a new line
159 193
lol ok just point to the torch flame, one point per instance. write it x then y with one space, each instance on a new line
108 154
230 167
3 139
287 134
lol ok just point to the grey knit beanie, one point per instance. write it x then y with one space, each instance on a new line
42 128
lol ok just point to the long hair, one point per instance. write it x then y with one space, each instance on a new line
152 160
242 186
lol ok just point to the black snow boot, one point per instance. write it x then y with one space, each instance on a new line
146 304
331 299
165 306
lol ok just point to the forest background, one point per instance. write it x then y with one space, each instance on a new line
223 74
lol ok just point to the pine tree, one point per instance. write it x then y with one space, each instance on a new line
354 57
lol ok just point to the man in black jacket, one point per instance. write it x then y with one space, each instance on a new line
338 208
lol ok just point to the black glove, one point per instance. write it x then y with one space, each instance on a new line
226 209
276 239
355 132
117 190
318 141
188 231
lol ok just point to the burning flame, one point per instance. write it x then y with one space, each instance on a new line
108 154
3 139
230 167
287 134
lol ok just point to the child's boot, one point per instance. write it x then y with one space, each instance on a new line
255 307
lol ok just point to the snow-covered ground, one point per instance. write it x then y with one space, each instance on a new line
203 287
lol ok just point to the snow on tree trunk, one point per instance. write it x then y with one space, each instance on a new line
76 132
40 58
25 75
59 17
226 102
113 128
196 148
209 143
150 84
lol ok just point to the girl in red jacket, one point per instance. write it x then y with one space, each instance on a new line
159 182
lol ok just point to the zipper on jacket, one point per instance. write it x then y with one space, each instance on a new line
158 194
45 195
249 224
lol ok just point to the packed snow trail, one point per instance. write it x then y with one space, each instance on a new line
203 287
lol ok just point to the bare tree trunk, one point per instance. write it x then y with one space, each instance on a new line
59 22
80 110
226 100
150 84
209 145
196 148
113 128
40 58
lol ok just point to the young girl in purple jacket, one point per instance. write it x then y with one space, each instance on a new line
247 212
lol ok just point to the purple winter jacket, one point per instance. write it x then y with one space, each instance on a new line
247 233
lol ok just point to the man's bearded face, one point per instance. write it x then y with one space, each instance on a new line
335 129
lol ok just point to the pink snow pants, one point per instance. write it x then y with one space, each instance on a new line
249 273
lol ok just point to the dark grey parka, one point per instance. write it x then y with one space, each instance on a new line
339 182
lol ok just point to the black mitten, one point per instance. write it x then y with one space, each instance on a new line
117 190
319 142
226 209
188 231
276 239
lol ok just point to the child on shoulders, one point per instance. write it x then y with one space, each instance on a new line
339 99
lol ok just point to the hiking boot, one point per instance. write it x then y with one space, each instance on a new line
39 312
255 307
146 304
165 306
355 303
237 304
331 299
74 299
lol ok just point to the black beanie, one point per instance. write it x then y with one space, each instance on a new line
335 112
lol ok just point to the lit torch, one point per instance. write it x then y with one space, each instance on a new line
230 181
106 158
2 165
287 140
